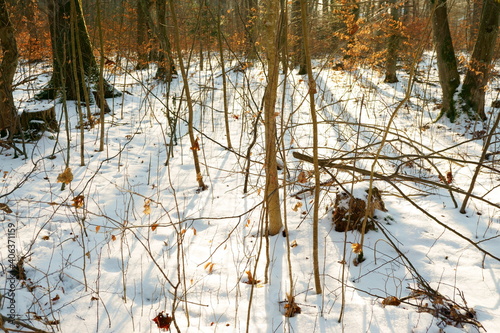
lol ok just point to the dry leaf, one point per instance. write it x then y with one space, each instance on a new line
113 238
154 226
147 207
78 201
163 320
66 177
356 248
196 144
56 298
194 231
251 279
297 206
449 177
45 237
97 228
294 243
87 255
5 208
391 300
302 178
209 266
183 231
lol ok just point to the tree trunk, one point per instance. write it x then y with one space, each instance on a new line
194 141
392 45
298 58
314 118
166 68
8 111
449 78
31 14
478 73
64 38
142 34
270 43
250 16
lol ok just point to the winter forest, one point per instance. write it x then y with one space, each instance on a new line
249 166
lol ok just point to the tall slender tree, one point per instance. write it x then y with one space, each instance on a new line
8 112
270 36
449 78
392 44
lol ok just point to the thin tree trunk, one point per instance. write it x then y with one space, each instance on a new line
449 78
9 119
478 73
270 41
392 45
299 58
249 18
312 92
142 34
165 69
224 83
194 142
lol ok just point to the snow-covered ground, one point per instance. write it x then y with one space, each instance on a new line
130 236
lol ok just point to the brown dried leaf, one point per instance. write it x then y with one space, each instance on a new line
5 208
154 226
113 238
196 144
449 177
391 300
302 178
147 207
78 201
45 237
66 177
356 248
297 206
97 228
251 279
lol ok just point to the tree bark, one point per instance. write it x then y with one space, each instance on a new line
449 78
478 73
392 45
166 68
298 58
270 43
64 75
142 34
8 66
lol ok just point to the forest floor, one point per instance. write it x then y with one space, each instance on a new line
131 235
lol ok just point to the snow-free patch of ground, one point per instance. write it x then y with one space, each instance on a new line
146 241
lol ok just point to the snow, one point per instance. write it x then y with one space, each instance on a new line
112 266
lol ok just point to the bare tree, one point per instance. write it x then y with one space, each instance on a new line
270 43
8 112
392 45
449 78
